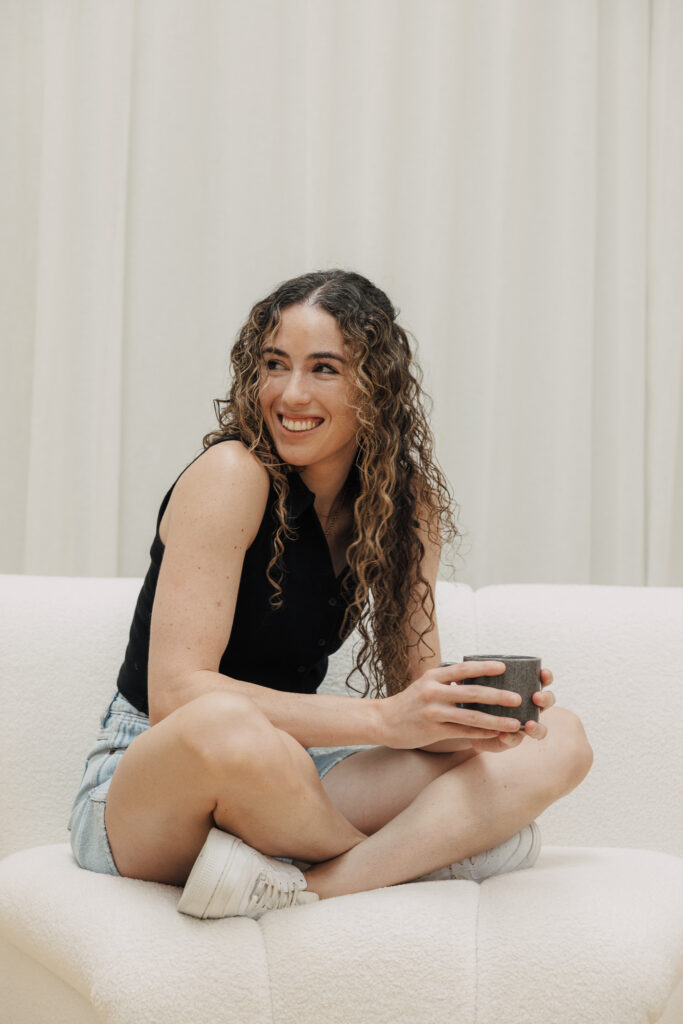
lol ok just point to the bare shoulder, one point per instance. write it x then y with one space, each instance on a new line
214 513
226 484
228 461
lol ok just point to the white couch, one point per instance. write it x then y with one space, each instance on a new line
593 933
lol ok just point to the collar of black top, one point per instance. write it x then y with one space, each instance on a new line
300 498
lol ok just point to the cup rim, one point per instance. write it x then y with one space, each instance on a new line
500 657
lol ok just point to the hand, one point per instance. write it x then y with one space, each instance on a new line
426 711
536 730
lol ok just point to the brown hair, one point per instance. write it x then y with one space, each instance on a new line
395 464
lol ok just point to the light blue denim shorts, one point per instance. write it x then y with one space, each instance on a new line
120 724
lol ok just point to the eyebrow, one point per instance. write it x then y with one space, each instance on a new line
313 355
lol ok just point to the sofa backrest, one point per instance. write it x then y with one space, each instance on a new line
616 653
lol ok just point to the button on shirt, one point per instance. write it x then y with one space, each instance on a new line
286 648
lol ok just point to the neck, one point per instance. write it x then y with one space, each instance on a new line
327 485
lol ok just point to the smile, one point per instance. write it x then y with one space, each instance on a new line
297 426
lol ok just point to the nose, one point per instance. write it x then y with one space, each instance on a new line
297 391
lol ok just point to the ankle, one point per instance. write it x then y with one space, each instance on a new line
318 881
338 876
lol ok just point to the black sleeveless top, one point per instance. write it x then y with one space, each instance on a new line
285 649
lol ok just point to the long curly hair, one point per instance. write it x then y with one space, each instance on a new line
397 471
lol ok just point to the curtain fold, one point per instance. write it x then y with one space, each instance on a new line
617 480
72 487
664 369
510 171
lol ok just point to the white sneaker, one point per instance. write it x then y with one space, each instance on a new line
521 851
231 879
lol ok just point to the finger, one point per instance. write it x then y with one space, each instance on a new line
544 699
453 673
466 733
482 720
546 677
535 730
510 740
471 693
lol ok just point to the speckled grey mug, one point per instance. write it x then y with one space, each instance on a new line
522 674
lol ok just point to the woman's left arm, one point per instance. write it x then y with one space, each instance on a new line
426 654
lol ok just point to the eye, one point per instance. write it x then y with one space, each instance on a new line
327 367
272 364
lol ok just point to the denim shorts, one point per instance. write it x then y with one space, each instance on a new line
120 724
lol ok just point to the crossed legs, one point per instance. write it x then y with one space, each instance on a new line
465 809
378 818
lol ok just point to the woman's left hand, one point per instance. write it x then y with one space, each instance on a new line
544 699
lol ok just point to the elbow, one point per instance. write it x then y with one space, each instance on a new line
162 698
158 710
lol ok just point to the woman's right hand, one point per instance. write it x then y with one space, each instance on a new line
426 712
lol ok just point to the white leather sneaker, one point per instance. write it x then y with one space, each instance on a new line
521 851
231 879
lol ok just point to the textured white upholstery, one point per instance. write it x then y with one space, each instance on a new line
593 933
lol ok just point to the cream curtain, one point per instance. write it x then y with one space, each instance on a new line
510 171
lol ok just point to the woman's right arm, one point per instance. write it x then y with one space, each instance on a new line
214 514
212 517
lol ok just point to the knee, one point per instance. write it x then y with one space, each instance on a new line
572 752
225 732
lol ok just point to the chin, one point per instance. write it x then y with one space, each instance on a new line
293 461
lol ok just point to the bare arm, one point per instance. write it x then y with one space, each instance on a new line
315 720
427 654
213 516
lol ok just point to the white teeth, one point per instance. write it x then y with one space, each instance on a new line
300 424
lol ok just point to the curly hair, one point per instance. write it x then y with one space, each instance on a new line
399 478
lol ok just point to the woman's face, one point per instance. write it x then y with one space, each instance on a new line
306 391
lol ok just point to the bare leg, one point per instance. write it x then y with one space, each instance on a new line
218 761
470 808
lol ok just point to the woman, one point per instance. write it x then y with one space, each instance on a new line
315 507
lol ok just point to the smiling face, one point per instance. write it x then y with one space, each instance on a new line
306 393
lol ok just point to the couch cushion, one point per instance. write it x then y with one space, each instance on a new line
61 644
593 934
590 934
616 653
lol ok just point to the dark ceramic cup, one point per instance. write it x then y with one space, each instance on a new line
522 674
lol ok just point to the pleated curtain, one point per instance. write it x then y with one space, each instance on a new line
509 171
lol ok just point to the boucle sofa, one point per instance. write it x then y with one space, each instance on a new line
593 933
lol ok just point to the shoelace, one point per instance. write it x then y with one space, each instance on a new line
268 892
